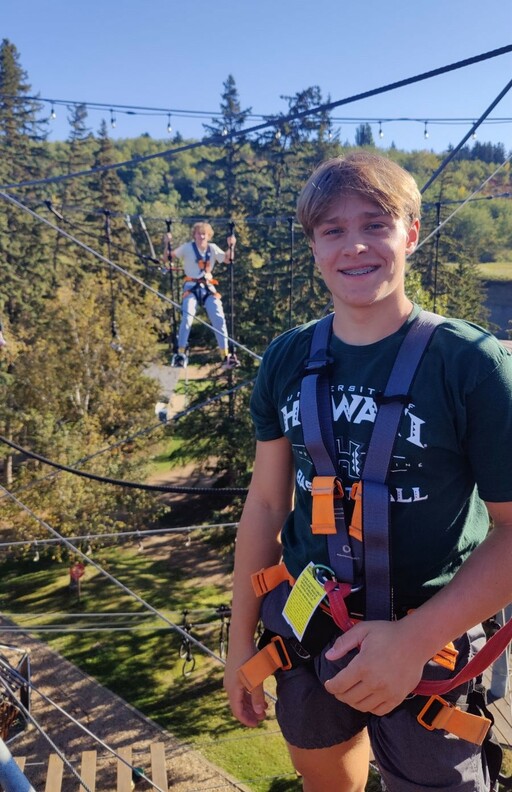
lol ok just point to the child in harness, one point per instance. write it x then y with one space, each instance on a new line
199 257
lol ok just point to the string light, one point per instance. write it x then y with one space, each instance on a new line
169 125
112 119
425 131
53 114
278 134
381 133
224 131
36 552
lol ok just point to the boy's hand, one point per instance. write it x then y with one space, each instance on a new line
248 708
231 240
385 670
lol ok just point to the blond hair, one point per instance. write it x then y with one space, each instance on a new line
201 226
368 175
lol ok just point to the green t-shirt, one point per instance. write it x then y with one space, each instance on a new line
452 452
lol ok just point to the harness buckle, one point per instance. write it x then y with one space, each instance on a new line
430 711
318 363
284 657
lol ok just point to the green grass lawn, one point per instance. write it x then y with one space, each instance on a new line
143 666
496 270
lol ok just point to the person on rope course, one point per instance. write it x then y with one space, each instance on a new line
199 257
3 342
346 680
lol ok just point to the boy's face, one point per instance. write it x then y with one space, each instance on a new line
361 251
201 237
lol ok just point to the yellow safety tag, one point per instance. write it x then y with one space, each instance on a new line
304 598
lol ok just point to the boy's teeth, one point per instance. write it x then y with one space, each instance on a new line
359 271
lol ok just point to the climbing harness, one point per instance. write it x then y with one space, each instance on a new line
351 587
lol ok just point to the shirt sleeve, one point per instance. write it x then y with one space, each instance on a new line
218 254
489 436
263 403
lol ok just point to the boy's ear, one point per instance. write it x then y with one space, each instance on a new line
413 236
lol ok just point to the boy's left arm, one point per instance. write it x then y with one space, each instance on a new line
391 655
229 254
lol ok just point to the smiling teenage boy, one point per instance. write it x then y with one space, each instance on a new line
448 473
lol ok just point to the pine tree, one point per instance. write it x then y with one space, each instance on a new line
23 254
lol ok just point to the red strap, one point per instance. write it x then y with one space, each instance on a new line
336 592
477 665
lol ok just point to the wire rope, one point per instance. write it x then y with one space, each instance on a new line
272 122
112 578
77 723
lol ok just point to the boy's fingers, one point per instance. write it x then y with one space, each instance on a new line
344 644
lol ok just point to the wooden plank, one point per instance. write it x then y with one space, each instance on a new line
124 773
158 766
20 761
88 771
54 774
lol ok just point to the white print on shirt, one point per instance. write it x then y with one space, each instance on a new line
396 495
355 409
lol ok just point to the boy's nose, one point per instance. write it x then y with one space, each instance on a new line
352 246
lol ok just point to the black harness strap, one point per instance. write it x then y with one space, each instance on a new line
378 587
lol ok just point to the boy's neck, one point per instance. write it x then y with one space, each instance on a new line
368 324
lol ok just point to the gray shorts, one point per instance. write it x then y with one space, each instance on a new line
410 758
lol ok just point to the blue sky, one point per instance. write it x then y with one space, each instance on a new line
178 53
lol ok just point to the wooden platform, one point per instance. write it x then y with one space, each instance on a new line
90 775
498 680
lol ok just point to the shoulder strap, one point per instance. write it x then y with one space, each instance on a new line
378 586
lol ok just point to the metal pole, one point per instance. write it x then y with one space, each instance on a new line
11 777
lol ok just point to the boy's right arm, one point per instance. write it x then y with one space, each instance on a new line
268 503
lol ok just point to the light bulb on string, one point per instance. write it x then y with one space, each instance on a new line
169 125
36 552
53 114
425 132
278 134
381 133
112 119
473 136
224 131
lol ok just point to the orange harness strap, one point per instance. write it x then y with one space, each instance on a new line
440 714
325 490
267 579
264 663
200 280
